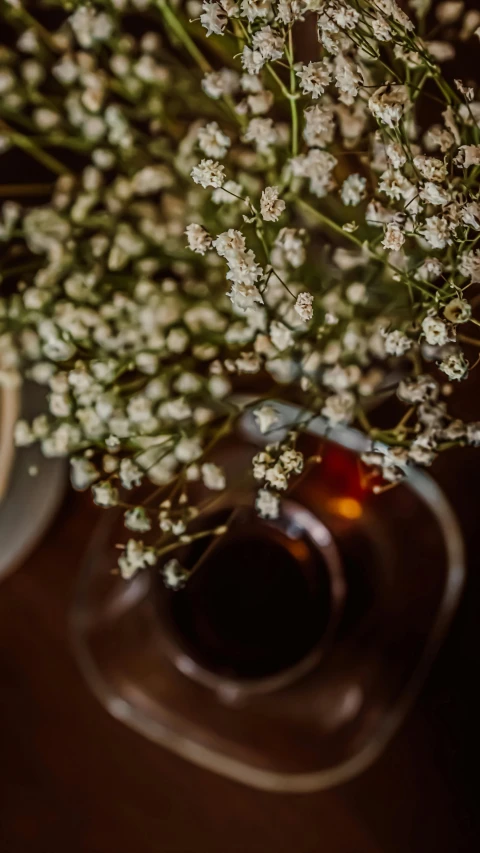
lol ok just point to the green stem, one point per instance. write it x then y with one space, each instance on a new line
466 339
16 116
275 273
35 25
325 220
304 205
293 102
59 141
449 94
363 421
279 82
19 269
31 148
179 543
9 190
419 88
175 25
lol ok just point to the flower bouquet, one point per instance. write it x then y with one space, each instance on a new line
231 204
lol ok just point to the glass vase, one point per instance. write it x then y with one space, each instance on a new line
295 650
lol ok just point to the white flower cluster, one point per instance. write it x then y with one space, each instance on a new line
274 466
283 226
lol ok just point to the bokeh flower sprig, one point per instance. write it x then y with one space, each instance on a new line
275 195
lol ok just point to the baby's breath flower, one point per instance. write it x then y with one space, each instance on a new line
419 390
348 79
353 189
396 155
260 102
213 476
188 449
104 494
268 43
82 473
247 362
260 463
470 265
245 296
262 132
397 343
394 237
304 306
395 185
219 83
430 168
339 408
289 11
151 180
449 11
433 194
130 474
314 78
266 417
23 434
199 239
430 269
356 293
252 60
267 504
271 206
276 477
134 558
473 434
381 29
253 9
281 335
230 244
137 519
471 215
212 141
454 366
244 270
213 18
387 104
340 378
458 310
319 126
291 461
317 166
468 155
208 173
289 248
437 232
174 575
466 91
435 330
420 452
90 26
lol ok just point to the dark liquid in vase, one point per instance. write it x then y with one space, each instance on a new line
258 603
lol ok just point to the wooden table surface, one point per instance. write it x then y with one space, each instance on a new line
73 780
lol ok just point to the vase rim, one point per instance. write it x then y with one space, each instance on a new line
202 754
233 689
